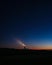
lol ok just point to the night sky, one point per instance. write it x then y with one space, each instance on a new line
27 20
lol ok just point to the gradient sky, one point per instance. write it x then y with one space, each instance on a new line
27 20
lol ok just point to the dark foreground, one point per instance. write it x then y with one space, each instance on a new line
14 57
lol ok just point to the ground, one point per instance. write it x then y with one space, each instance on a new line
14 56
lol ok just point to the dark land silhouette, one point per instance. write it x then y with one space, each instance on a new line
21 56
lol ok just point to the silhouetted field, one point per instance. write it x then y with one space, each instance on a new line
16 56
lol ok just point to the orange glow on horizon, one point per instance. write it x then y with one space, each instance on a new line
20 45
45 47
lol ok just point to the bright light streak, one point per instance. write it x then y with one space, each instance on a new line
21 43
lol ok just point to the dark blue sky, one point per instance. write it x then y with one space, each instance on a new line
27 20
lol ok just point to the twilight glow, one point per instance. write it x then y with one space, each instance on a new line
30 22
35 47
